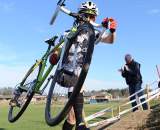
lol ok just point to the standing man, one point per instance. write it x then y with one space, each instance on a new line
131 73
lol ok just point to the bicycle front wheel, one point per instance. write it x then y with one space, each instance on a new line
58 105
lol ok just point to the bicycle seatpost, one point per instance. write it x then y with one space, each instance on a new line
51 41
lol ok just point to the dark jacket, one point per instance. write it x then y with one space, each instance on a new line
133 76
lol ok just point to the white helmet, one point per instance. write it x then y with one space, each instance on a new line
88 8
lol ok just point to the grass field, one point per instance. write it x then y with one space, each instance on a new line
33 118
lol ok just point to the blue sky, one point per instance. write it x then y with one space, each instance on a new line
24 25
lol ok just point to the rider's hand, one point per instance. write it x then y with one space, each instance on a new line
113 25
105 22
110 24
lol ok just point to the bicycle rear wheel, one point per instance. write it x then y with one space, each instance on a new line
25 94
53 117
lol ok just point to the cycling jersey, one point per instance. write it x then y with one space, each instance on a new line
75 59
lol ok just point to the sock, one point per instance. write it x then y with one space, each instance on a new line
67 126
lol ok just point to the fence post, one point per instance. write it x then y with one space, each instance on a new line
119 109
112 113
139 101
84 115
148 103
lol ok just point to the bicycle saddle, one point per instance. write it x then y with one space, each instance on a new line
51 41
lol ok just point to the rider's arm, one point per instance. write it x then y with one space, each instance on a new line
108 38
110 24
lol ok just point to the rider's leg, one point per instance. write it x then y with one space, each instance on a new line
70 121
82 127
67 126
71 117
78 109
75 115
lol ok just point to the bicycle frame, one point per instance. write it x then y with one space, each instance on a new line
41 74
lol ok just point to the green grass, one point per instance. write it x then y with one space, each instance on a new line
33 118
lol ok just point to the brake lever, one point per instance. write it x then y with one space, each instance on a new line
61 3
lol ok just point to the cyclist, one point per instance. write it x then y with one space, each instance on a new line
90 11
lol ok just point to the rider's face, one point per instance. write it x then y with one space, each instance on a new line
92 18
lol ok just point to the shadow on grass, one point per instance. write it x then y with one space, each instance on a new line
103 127
153 120
2 129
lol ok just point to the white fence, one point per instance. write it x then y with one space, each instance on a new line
150 95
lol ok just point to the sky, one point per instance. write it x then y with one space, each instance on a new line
24 25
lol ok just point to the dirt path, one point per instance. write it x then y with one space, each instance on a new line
131 121
139 120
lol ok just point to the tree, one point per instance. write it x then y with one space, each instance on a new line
6 91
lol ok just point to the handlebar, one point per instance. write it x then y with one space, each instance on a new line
78 16
59 4
61 7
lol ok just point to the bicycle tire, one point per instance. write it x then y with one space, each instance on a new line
52 121
12 118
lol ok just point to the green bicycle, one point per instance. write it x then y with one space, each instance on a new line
32 82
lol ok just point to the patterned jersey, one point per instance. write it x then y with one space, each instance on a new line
76 57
